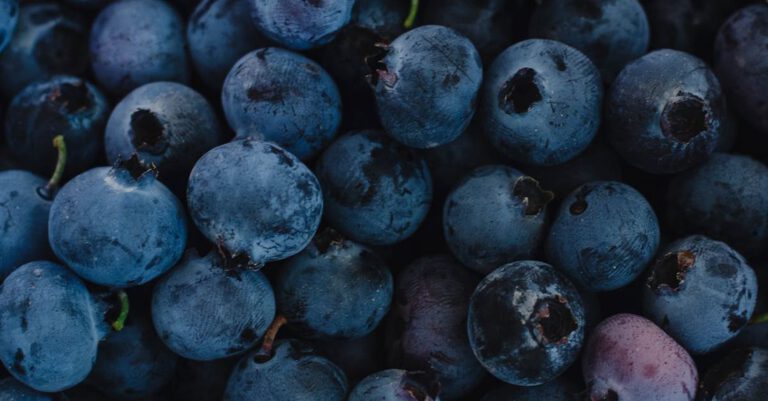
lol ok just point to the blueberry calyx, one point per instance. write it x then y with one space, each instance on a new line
552 321
421 386
379 70
135 167
73 97
520 92
233 263
684 117
530 194
327 239
609 395
670 270
147 132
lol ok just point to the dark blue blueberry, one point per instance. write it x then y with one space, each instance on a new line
396 385
201 380
133 363
117 227
541 102
557 390
726 199
211 307
50 39
283 97
9 17
219 32
293 373
495 215
50 327
428 326
334 288
610 32
254 198
604 235
301 24
357 357
741 49
12 390
62 105
167 124
665 112
23 219
134 42
426 83
384 18
376 190
741 375
701 292
526 323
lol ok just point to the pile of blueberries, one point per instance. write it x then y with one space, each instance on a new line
384 200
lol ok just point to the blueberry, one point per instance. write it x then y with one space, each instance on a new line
604 235
627 357
526 323
541 102
219 32
495 215
293 373
740 52
557 390
212 307
428 329
279 201
665 112
385 18
426 83
202 380
320 290
396 385
741 375
9 17
50 39
117 227
50 327
376 190
701 292
166 124
357 357
301 24
283 97
610 32
134 42
12 390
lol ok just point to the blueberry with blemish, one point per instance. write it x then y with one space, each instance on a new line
526 323
397 385
741 375
495 215
701 292
301 24
13 390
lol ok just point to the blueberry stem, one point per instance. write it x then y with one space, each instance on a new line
760 319
408 24
53 184
267 345
119 323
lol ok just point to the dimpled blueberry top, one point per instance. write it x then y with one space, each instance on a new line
23 219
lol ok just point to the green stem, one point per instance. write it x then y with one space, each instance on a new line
119 323
61 163
760 319
408 24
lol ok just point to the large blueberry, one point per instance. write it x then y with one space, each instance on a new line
665 112
526 323
396 385
12 390
741 375
701 292
495 215
541 102
281 96
50 327
426 83
301 24
118 226
376 190
556 390
254 198
134 42
604 235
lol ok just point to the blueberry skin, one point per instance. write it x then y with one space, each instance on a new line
133 363
541 102
115 228
376 190
526 323
319 290
741 375
495 215
426 86
604 235
725 198
665 112
741 48
280 200
701 292
12 390
62 105
219 32
9 17
167 124
610 32
135 42
205 310
282 97
49 39
557 390
23 220
629 358
293 373
396 385
428 324
50 327
301 24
